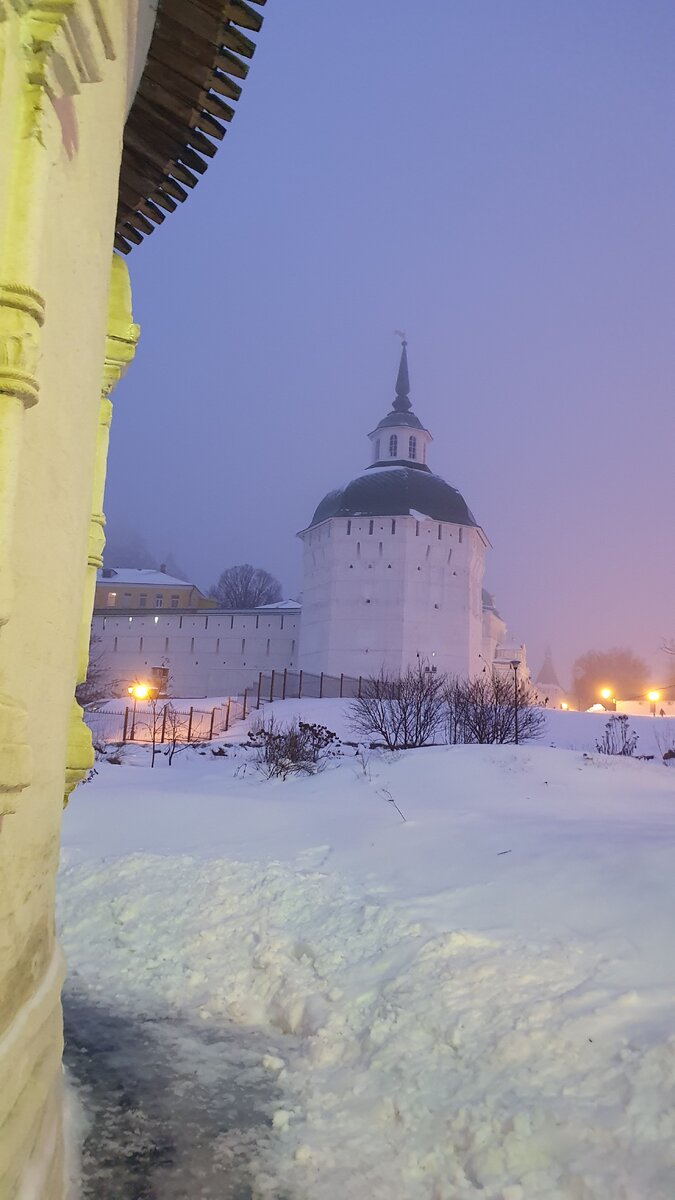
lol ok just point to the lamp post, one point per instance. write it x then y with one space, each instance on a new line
515 663
139 691
608 698
653 697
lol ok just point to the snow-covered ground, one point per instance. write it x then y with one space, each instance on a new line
474 1001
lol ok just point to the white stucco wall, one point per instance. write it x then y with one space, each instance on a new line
210 653
385 592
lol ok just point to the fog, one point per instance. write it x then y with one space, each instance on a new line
498 180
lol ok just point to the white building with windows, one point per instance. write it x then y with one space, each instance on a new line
394 562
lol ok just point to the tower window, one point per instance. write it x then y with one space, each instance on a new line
349 526
393 446
417 529
192 645
371 526
440 532
381 549
412 447
393 527
460 534
243 645
268 645
358 549
377 449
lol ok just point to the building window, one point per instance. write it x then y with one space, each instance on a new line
349 526
115 644
158 602
243 645
192 645
282 621
127 600
440 532
257 622
417 529
140 645
231 622
460 534
358 549
175 601
377 449
217 645
381 549
293 646
393 527
112 599
371 526
268 645
393 446
166 644
412 447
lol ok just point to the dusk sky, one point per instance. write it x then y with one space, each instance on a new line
495 177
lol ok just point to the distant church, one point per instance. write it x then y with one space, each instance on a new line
393 564
393 568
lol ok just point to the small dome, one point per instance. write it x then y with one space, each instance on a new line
400 418
396 492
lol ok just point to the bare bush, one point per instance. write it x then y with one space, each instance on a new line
618 738
406 710
292 749
495 708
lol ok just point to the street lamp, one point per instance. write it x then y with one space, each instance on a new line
139 691
653 697
565 706
606 695
515 663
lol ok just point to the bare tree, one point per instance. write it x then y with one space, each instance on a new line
618 669
98 685
245 586
488 709
406 710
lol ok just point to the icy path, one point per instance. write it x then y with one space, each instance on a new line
174 1110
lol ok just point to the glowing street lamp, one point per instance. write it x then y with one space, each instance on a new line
653 697
565 706
140 691
607 697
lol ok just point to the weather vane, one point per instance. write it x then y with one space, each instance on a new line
401 333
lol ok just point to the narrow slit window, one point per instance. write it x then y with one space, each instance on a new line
393 527
349 527
243 645
371 526
377 449
393 446
166 644
417 529
461 532
440 532
268 645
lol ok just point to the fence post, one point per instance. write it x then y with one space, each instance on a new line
359 687
189 736
163 723
341 682
257 703
243 714
321 686
283 689
300 686
227 714
126 722
272 687
213 717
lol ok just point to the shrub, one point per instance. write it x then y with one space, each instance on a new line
487 710
406 710
296 748
618 738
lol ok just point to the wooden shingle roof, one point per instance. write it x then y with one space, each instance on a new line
192 78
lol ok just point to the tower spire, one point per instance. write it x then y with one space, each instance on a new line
402 401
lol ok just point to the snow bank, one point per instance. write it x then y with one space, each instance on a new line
474 1002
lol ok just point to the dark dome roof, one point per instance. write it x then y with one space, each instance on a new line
396 492
400 418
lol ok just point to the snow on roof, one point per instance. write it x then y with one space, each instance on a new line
280 604
133 575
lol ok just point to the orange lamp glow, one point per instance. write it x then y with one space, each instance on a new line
139 691
653 696
606 693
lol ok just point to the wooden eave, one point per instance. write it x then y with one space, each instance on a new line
191 81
